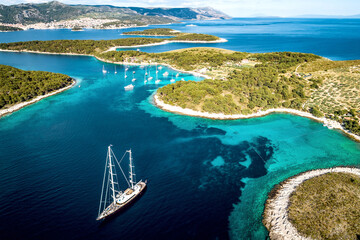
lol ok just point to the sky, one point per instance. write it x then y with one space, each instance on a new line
235 8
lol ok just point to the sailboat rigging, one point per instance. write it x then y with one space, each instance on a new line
112 198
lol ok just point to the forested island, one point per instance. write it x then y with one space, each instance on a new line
237 82
154 32
18 86
4 28
177 36
92 47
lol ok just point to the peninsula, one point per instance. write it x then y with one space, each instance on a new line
238 84
19 88
318 204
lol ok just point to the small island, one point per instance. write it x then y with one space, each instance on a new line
4 28
19 88
319 204
177 35
77 29
154 32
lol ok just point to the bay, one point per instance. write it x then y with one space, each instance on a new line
52 153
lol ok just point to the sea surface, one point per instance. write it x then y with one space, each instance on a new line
208 179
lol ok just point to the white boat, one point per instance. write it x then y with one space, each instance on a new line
182 79
172 80
157 81
160 67
129 87
115 70
133 79
177 74
191 25
103 70
149 78
112 199
125 76
165 74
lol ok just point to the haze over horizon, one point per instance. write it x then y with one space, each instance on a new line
234 8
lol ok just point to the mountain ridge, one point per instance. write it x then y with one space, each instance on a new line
30 13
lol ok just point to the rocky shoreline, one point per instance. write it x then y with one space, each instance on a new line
275 217
331 124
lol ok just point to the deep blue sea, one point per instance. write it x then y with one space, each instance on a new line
208 179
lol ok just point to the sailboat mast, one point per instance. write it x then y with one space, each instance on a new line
111 174
131 177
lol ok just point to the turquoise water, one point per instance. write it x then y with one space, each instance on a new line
208 179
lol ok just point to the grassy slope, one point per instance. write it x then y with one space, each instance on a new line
326 207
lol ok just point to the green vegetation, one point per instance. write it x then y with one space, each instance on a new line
18 85
326 207
76 29
89 47
243 90
9 29
337 90
154 32
195 37
178 36
241 83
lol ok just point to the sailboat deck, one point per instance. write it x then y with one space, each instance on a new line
114 206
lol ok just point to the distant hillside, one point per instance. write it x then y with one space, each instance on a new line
56 11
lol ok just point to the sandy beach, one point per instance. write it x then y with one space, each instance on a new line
275 213
331 124
18 106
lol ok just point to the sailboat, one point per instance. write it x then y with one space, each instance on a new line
150 77
115 70
103 70
133 79
165 74
125 72
172 78
129 87
112 199
177 74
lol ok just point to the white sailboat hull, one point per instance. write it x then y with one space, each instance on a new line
124 200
